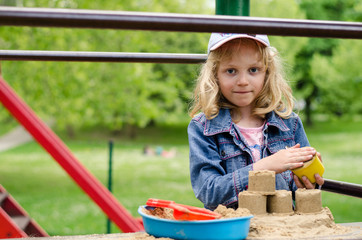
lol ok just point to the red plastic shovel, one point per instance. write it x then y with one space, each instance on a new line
184 212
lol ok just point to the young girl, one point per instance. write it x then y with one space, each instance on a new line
243 121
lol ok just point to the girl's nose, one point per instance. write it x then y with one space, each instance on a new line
242 79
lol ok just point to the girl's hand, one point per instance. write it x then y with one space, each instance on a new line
305 183
286 159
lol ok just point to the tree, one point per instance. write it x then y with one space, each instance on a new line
287 46
110 95
306 85
339 79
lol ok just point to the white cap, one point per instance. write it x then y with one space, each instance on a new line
218 39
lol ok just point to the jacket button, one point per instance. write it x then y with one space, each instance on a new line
223 153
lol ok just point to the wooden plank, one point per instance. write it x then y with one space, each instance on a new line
356 234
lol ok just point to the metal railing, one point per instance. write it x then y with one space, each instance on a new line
349 189
72 18
21 55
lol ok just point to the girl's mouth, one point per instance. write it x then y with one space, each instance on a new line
242 92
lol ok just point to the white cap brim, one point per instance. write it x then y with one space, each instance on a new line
217 39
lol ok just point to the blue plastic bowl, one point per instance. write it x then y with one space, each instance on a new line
223 229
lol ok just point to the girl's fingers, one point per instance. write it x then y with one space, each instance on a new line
304 150
319 179
308 150
307 183
297 182
296 146
291 166
301 154
304 158
304 183
319 156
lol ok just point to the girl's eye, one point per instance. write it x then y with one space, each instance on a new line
253 70
230 71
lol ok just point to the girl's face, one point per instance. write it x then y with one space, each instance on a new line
241 77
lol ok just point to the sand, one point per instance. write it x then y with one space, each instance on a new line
165 213
231 213
253 201
308 200
262 181
145 236
274 217
293 225
281 202
296 226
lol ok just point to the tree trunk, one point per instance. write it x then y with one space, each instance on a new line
308 111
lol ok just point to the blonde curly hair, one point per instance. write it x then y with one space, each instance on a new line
276 94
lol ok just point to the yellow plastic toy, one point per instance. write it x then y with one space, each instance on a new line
309 169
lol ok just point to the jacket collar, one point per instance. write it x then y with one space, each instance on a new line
223 122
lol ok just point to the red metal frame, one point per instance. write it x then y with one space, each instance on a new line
60 152
10 208
9 229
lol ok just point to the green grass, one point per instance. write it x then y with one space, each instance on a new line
46 192
38 183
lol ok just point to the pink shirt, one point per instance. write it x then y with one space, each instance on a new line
254 139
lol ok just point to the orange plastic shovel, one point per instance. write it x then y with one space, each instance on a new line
184 212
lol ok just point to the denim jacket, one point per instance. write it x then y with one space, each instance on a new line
220 160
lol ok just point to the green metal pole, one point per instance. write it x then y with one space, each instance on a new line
233 7
110 179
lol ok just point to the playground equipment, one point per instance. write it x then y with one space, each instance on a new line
15 221
60 152
138 21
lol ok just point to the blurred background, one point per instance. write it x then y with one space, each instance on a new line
144 104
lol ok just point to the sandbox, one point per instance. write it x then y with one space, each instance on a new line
275 218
